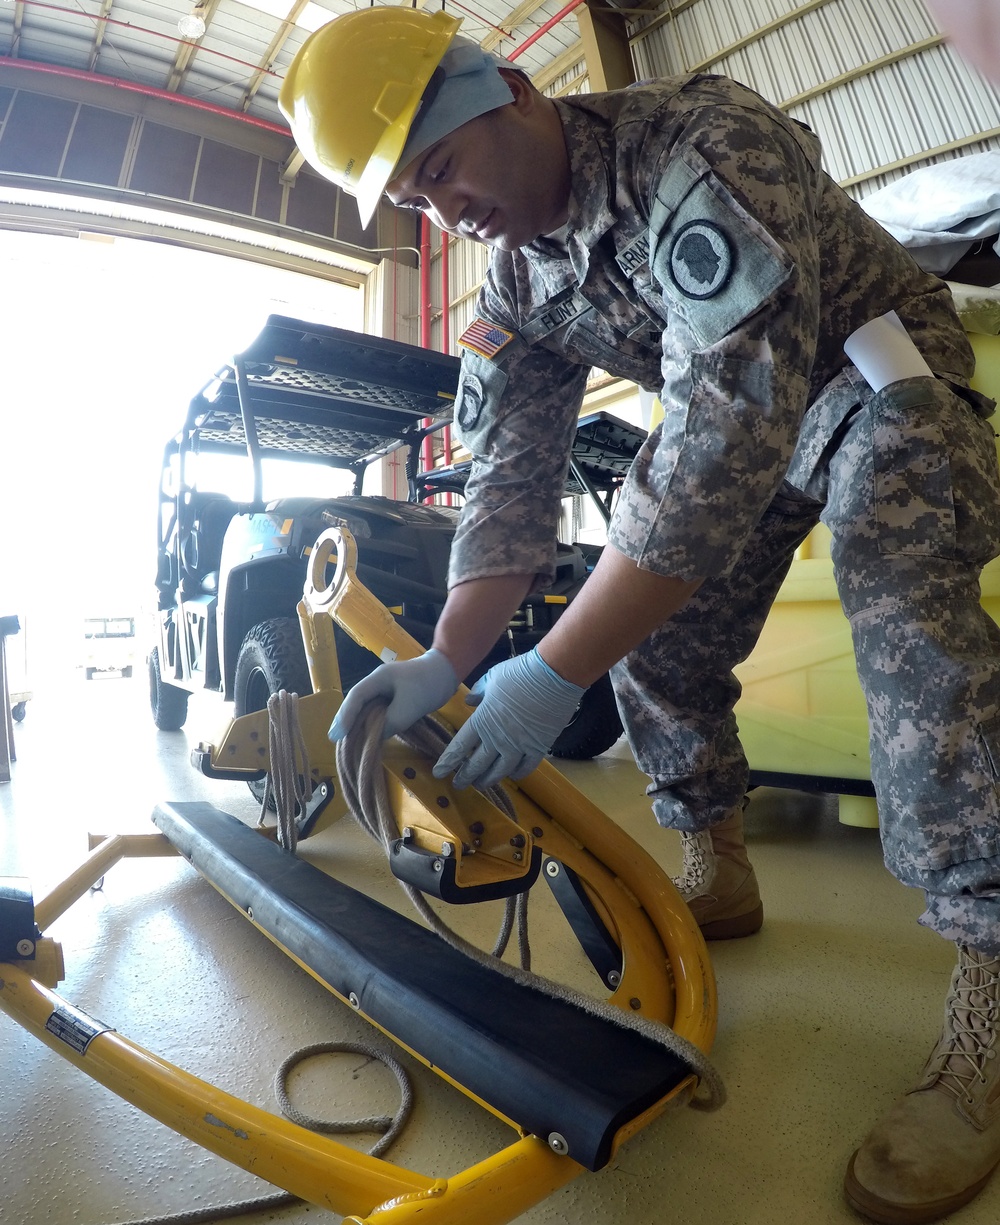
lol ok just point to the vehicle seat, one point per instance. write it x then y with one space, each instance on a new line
201 545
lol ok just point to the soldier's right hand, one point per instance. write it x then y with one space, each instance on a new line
412 687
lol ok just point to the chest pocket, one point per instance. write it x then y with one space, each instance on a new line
715 262
594 339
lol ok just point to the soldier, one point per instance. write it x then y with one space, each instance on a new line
682 234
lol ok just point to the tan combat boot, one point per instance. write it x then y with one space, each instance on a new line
938 1146
718 882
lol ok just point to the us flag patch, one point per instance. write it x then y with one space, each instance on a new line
485 338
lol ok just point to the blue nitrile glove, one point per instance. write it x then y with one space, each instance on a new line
522 706
413 687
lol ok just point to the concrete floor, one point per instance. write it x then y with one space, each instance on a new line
826 1015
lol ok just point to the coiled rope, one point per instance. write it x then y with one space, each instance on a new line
289 779
391 1124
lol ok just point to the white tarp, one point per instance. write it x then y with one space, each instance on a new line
938 212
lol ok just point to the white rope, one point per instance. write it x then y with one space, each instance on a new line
362 778
390 1124
289 779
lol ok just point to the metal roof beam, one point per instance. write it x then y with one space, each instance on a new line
187 50
517 17
606 48
291 166
15 37
100 27
267 59
562 63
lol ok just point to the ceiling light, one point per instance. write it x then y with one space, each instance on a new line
192 25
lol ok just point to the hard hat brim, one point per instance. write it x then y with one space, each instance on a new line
382 163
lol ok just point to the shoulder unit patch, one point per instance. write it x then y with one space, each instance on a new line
701 259
469 402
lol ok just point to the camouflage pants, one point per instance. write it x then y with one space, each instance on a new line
909 487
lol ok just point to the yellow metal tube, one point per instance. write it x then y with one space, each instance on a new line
492 1192
696 1005
644 978
321 650
311 1166
137 846
97 863
666 974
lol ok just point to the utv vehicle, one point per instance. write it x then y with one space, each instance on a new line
230 572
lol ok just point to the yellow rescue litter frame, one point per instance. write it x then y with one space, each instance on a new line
665 975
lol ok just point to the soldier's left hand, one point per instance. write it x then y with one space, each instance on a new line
521 707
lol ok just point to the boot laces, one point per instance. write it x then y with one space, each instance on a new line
697 861
973 1010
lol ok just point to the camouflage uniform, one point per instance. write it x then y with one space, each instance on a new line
709 258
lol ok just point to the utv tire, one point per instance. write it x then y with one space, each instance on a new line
270 659
168 703
596 726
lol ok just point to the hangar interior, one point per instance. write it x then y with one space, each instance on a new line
148 133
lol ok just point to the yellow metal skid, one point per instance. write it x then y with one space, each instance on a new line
666 975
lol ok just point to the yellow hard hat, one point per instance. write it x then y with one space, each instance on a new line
353 90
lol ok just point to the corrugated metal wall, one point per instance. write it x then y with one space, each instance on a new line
467 262
872 77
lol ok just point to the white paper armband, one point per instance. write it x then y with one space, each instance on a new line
884 353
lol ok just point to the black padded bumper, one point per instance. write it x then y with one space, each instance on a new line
541 1062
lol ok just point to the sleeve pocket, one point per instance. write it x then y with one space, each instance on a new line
477 401
714 261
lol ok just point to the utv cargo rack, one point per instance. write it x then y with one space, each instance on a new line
320 393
